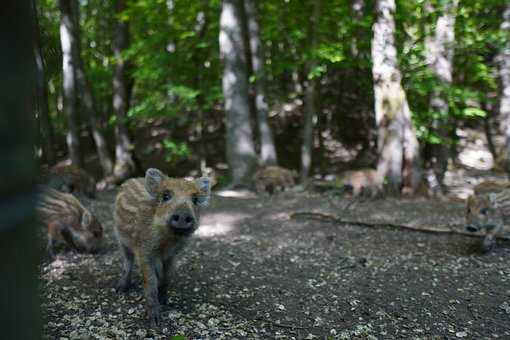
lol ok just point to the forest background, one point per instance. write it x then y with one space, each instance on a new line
317 85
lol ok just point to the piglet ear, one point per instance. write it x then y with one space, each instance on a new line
204 191
153 178
86 219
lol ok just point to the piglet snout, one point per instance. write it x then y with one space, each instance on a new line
183 222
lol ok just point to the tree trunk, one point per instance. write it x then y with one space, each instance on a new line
124 163
87 98
439 55
69 64
504 77
45 128
241 156
267 147
357 10
397 143
201 25
19 233
310 107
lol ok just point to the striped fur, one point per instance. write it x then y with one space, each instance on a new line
273 178
488 211
68 221
154 216
70 179
362 182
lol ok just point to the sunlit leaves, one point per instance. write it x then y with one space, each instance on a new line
174 151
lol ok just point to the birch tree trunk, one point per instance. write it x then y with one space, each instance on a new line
87 98
267 148
310 107
241 156
357 10
397 143
439 56
69 64
45 128
504 77
124 162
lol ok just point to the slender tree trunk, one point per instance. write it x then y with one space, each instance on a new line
241 156
310 105
504 76
397 143
357 10
124 164
201 24
440 50
19 248
69 64
267 148
87 98
42 110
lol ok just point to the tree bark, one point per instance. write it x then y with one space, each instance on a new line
45 128
310 105
19 248
87 97
124 161
504 77
357 10
267 148
69 64
241 156
397 143
439 55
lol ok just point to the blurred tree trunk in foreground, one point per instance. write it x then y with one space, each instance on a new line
267 148
124 162
67 41
241 156
397 143
504 77
310 96
439 55
43 118
19 249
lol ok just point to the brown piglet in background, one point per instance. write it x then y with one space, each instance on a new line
68 221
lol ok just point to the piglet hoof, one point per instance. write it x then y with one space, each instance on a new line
123 286
51 256
153 316
163 298
488 245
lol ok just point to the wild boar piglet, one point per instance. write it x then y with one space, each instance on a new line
154 217
68 221
488 212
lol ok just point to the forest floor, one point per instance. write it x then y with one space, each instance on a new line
253 270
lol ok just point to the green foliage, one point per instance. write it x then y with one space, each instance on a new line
176 70
175 152
178 337
477 39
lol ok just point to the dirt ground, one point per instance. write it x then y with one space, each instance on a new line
253 272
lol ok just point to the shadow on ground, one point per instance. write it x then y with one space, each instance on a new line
252 272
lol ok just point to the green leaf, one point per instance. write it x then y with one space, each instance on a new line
474 112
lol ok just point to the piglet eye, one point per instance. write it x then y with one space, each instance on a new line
166 196
484 211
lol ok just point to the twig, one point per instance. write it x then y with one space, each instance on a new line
282 325
424 228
